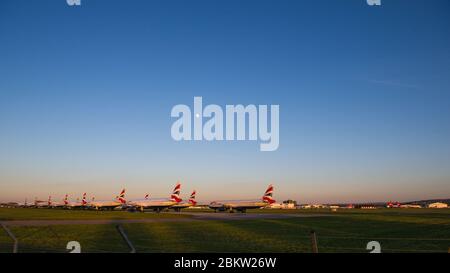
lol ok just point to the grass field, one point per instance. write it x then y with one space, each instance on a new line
62 214
397 230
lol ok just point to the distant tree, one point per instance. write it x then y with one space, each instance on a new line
289 201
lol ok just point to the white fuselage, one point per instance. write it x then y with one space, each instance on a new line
238 204
152 203
57 204
75 205
41 204
104 204
182 205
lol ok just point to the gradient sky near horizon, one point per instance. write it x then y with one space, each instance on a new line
364 94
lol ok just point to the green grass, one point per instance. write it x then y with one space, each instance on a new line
62 214
335 234
347 231
93 238
6 243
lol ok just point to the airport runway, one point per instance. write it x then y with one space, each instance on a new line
245 216
195 217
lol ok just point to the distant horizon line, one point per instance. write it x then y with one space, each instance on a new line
298 203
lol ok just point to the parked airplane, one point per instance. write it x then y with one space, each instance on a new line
191 202
40 203
109 205
157 204
77 204
52 204
243 205
26 204
46 204
391 205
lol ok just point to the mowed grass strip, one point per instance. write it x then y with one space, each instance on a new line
6 243
347 232
92 238
424 212
67 214
216 236
335 234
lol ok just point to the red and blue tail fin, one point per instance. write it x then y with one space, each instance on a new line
268 195
192 198
175 196
121 197
83 201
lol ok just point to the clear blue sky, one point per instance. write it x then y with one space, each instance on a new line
364 95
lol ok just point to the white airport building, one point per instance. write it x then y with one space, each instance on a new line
438 205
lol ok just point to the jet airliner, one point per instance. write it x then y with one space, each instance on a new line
243 205
157 204
191 202
109 205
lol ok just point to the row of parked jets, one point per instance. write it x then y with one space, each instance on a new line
158 204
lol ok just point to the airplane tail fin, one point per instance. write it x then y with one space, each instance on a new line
146 197
83 201
267 198
192 198
176 193
121 197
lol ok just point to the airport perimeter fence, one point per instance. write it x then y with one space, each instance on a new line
309 243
